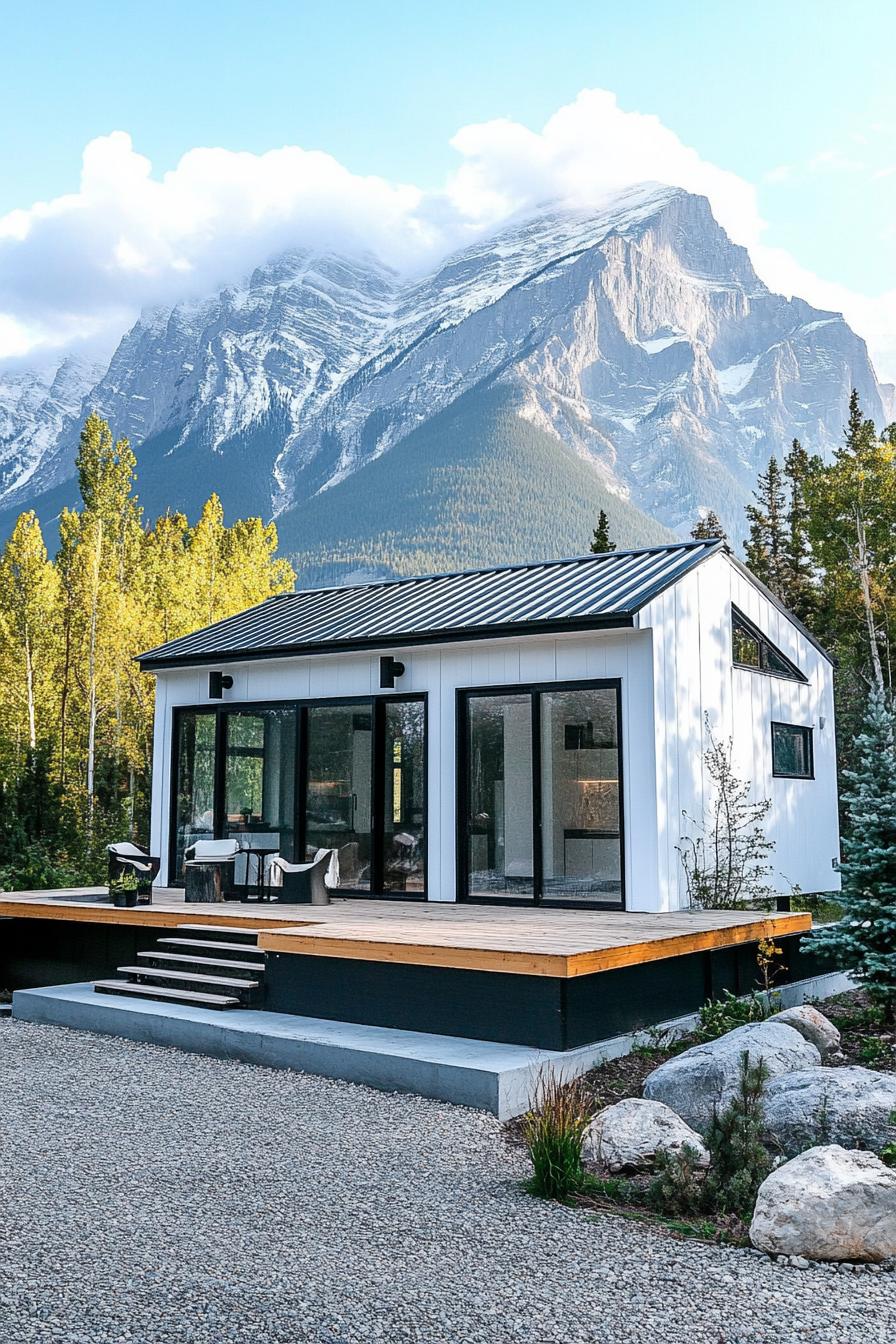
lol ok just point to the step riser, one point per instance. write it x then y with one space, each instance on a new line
157 961
223 932
148 992
247 997
210 948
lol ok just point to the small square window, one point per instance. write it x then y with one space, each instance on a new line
792 751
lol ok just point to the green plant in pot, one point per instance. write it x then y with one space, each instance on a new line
123 889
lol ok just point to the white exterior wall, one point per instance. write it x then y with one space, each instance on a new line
694 675
439 672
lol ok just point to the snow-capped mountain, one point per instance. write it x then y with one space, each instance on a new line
35 405
635 338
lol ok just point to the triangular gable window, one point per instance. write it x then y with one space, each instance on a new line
751 648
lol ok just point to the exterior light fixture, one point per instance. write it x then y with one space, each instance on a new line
218 683
390 670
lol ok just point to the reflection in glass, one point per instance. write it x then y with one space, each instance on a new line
339 794
499 840
581 846
194 784
405 805
259 786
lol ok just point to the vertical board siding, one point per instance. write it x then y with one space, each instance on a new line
694 676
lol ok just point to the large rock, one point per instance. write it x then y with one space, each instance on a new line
828 1204
706 1077
813 1025
628 1136
852 1106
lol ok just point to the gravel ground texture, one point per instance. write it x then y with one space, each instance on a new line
151 1196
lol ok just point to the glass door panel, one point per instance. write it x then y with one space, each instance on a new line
580 831
404 785
259 787
194 804
339 788
500 851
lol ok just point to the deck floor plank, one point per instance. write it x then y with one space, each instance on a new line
505 939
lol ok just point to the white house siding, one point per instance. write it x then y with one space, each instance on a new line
694 675
440 671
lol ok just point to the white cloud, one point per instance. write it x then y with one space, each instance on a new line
79 267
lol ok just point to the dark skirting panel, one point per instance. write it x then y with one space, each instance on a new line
553 1014
534 1010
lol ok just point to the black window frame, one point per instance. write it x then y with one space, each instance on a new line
534 690
299 707
766 646
807 732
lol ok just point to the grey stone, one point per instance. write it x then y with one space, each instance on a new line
851 1106
829 1203
705 1078
628 1135
813 1025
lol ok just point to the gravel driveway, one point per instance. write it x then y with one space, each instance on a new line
149 1196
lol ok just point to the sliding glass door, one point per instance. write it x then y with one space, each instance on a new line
296 778
540 796
364 777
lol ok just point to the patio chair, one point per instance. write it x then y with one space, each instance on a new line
303 883
126 857
205 864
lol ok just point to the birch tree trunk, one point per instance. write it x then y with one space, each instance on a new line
863 565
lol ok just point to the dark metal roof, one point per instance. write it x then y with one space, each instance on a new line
586 592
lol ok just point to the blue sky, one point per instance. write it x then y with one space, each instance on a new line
796 99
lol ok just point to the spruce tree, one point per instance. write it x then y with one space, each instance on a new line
799 568
601 540
766 547
864 940
709 528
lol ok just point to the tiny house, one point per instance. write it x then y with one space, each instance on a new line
527 735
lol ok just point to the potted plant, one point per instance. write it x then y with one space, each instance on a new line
123 889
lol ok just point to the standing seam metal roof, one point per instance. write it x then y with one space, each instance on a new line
581 592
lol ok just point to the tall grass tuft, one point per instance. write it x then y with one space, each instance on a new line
553 1131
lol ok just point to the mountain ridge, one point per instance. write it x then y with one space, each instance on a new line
636 335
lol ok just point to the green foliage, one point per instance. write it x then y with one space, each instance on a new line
553 1132
888 1152
677 1188
75 712
765 550
739 1159
718 1016
708 528
600 542
614 1189
864 940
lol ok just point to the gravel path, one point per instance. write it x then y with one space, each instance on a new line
150 1196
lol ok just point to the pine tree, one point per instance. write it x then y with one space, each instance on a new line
601 542
765 549
799 566
864 940
709 528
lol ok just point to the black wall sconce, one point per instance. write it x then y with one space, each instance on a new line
390 669
218 683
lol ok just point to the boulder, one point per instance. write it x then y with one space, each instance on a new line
704 1078
828 1204
850 1105
628 1136
812 1024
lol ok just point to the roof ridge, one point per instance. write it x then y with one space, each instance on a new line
586 558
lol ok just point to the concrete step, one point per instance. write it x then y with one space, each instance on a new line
191 997
213 948
181 961
228 932
244 990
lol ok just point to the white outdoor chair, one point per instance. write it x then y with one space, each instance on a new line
304 883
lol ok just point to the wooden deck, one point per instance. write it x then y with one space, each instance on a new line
557 943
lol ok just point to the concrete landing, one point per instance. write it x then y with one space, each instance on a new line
486 1075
